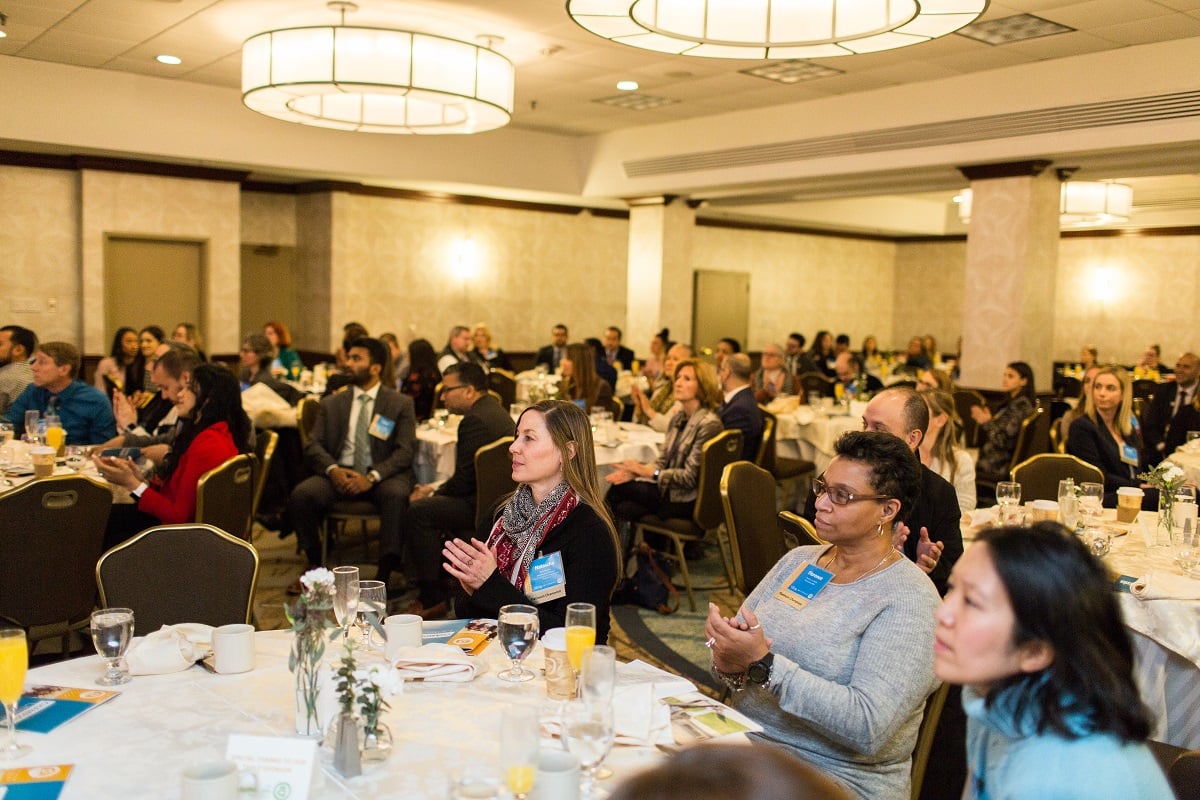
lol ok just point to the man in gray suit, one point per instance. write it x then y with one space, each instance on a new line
361 448
451 506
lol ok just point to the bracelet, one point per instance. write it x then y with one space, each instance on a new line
734 680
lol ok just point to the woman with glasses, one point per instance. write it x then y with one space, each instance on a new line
832 653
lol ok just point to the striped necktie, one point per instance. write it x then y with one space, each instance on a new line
362 442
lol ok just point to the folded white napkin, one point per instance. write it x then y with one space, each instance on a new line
437 662
984 516
638 716
172 648
804 415
1165 586
266 408
784 405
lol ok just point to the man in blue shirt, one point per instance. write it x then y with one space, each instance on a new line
86 414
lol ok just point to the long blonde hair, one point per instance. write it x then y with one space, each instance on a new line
567 423
1124 412
949 439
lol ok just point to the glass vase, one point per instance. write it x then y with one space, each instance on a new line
376 744
1165 533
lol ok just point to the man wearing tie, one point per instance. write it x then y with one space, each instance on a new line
616 355
361 448
552 354
1172 411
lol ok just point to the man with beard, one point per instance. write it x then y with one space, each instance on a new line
361 448
16 349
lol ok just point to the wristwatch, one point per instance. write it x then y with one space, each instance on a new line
657 472
759 672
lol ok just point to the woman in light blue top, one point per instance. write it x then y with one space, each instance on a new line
1031 628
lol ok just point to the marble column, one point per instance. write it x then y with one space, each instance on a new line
1012 258
659 281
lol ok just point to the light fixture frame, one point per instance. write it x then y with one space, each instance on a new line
1081 204
407 97
704 28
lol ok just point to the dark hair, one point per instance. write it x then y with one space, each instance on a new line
281 332
422 359
1026 372
843 338
377 351
664 336
818 343
22 336
154 331
262 347
734 344
559 325
799 337
350 332
1061 595
218 399
470 373
730 772
584 383
133 373
617 330
895 470
117 351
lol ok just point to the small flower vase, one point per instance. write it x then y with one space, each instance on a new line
347 757
307 650
376 743
1165 534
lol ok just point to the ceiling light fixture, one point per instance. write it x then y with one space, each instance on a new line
168 59
1081 204
772 28
627 86
377 80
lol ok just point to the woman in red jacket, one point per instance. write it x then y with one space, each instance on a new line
213 429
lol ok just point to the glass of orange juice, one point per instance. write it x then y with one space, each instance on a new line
581 633
519 734
14 660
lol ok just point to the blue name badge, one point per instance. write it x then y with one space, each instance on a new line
805 583
1129 454
381 427
547 580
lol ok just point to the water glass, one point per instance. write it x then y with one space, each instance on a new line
440 416
598 675
519 734
1099 541
1068 504
372 608
1091 497
345 596
6 433
1187 552
14 660
1008 493
589 737
31 422
518 633
112 628
76 457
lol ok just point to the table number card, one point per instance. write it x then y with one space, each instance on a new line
283 767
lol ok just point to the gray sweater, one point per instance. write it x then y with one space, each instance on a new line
851 673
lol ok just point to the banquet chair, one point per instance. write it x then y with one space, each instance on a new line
964 399
798 528
264 452
755 541
1068 386
225 495
501 382
1034 437
180 573
707 514
51 533
925 737
1143 388
341 512
816 382
1039 475
493 479
768 438
306 417
1184 775
784 469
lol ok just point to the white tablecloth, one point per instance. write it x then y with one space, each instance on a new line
136 745
803 434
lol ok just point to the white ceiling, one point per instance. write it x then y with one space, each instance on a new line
563 69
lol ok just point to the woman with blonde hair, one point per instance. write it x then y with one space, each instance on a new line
580 381
482 351
1107 435
557 508
674 479
941 449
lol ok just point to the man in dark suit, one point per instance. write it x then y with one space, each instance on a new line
361 448
740 411
901 412
849 370
615 354
552 354
603 369
451 506
1172 412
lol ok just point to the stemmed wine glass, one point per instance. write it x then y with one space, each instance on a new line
14 660
1008 494
589 737
112 628
519 733
345 596
372 603
581 633
518 632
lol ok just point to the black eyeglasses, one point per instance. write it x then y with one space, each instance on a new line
448 389
840 497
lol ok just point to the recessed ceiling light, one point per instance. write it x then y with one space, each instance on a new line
166 59
627 86
636 102
1016 28
792 71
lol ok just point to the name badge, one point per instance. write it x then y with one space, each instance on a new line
1129 454
805 583
547 580
381 427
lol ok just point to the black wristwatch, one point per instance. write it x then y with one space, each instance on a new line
759 672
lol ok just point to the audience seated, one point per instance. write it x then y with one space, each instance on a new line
123 369
652 367
941 449
421 380
725 348
1172 412
287 361
915 358
16 349
361 447
853 379
739 410
256 356
658 410
483 353
616 355
149 338
1105 436
553 353
172 372
399 356
793 353
771 379
1072 414
580 382
1151 361
450 508
457 349
999 430
187 333
821 355
934 380
214 430
1089 356
86 414
606 371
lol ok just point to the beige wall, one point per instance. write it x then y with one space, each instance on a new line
268 218
805 283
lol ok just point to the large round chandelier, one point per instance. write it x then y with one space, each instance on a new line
376 80
773 28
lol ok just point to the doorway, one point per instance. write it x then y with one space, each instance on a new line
152 282
721 308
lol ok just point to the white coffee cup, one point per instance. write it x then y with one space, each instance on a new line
233 648
557 776
215 780
403 630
